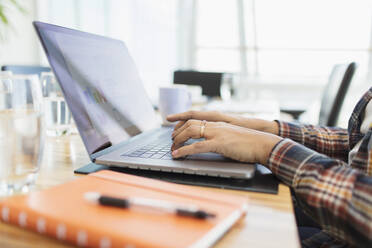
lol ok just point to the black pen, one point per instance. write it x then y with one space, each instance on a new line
189 210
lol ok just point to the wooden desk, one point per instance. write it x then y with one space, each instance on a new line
269 223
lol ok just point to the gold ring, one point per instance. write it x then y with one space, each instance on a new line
202 128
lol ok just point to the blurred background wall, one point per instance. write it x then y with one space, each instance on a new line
277 49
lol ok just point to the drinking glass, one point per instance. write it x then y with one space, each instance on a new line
21 132
57 115
226 89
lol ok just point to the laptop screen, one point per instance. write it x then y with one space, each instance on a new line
100 84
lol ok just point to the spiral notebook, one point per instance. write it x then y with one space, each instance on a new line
63 213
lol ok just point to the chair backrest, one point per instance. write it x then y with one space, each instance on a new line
334 93
209 81
25 69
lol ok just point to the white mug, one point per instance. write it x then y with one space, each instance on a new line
173 100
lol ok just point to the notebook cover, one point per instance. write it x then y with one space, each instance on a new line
63 213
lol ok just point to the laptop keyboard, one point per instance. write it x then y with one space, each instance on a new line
156 150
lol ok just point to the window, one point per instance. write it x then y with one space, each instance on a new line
266 38
217 36
282 38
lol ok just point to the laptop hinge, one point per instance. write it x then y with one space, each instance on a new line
102 147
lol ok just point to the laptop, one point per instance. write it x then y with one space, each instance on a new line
113 114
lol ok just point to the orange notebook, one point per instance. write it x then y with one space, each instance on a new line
63 213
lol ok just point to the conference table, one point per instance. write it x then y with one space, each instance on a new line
269 222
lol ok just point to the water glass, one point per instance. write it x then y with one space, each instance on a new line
21 132
58 117
226 89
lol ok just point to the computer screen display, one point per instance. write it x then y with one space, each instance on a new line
100 83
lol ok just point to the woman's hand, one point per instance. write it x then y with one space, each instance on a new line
215 116
242 144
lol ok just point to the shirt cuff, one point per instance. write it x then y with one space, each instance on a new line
292 131
286 158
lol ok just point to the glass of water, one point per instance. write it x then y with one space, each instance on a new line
57 115
21 132
227 89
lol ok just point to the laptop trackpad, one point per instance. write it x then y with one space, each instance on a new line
210 156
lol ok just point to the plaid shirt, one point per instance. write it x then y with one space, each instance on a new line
335 192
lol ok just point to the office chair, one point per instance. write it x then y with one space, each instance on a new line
25 69
210 82
335 92
333 95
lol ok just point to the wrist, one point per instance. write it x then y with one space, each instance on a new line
271 127
274 127
268 146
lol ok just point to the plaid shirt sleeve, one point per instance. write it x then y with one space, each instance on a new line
337 196
331 141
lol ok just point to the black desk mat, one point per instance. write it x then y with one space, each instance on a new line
262 181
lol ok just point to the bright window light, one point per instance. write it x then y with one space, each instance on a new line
322 24
218 59
217 24
286 38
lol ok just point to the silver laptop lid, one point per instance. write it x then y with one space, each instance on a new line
100 83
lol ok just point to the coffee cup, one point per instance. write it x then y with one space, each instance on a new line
173 100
